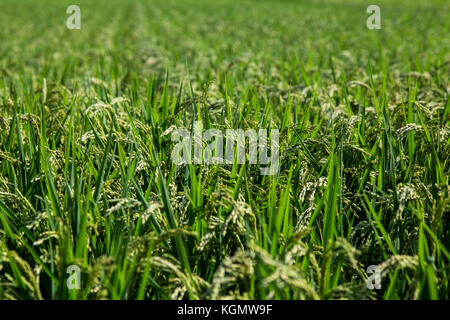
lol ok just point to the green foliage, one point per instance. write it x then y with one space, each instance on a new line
86 176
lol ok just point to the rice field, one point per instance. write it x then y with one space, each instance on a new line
92 205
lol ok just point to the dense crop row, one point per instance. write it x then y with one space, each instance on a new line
87 179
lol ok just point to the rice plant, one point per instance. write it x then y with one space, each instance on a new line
87 178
